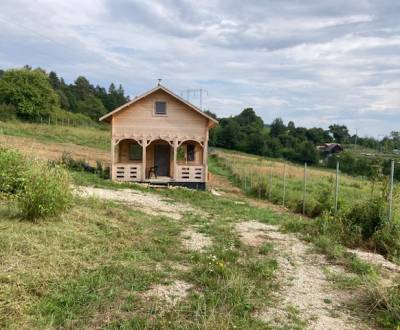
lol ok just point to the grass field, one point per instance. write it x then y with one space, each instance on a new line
93 263
111 265
94 137
264 178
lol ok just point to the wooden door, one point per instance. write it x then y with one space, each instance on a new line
162 159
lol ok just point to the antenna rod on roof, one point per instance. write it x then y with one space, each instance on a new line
159 81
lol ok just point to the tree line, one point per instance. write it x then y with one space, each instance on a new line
34 94
248 133
29 94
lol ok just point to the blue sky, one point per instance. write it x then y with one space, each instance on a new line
313 62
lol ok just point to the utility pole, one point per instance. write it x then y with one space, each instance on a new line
194 92
201 91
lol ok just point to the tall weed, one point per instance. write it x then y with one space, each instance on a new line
46 191
12 169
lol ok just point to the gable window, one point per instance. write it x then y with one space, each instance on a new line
160 108
191 154
135 152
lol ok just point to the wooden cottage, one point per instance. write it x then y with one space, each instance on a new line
159 137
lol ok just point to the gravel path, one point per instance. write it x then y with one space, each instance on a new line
304 284
151 204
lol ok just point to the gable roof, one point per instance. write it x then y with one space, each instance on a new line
108 116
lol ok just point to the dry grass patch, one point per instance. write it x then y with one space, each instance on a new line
195 241
168 294
54 151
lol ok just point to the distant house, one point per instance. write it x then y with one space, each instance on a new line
330 148
159 137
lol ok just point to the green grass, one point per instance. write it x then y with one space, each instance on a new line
95 137
93 263
89 267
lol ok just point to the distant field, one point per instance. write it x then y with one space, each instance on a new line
49 142
264 178
364 151
94 137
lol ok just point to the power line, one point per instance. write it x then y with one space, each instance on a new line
195 91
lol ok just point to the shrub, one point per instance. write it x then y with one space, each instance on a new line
12 168
339 228
7 112
368 215
387 241
46 191
76 165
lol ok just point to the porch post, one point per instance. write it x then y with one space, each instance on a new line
175 146
112 159
205 160
144 146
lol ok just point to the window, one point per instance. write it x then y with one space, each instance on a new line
191 152
160 108
135 152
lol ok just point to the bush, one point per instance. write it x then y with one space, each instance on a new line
76 165
368 215
7 112
387 241
46 191
12 168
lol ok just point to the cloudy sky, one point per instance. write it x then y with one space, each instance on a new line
313 62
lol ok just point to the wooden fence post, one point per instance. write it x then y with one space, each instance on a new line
337 187
284 185
305 188
391 190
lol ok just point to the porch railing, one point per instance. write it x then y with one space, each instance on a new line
191 173
127 172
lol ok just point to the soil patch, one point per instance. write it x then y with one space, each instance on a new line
195 241
169 294
151 204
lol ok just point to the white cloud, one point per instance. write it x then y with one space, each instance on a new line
312 62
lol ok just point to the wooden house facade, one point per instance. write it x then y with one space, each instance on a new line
159 137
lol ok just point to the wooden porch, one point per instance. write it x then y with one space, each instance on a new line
174 161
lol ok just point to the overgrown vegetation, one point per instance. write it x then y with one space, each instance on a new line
362 218
81 165
39 189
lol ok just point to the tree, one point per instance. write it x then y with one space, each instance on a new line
92 107
82 88
248 118
339 132
277 127
228 134
318 135
54 81
306 152
29 91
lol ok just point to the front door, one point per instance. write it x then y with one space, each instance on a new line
161 159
